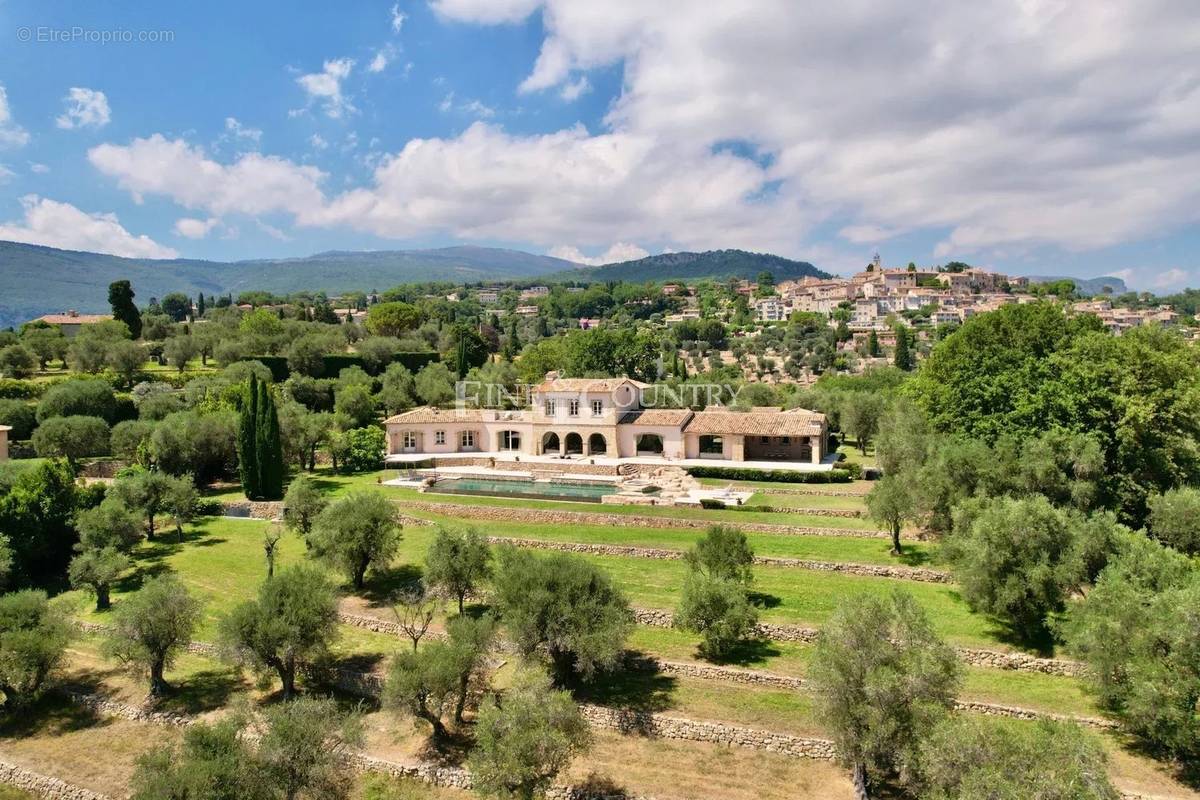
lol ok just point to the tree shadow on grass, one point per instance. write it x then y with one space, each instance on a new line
914 558
596 785
639 686
384 585
202 691
746 653
763 600
53 715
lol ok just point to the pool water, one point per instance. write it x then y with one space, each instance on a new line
539 490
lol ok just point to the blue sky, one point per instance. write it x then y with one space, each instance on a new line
1007 134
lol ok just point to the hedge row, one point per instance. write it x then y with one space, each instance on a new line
334 363
771 475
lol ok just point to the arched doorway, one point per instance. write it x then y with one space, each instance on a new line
550 443
597 445
574 444
649 444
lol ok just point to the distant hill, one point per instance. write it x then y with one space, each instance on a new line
1085 286
36 280
717 264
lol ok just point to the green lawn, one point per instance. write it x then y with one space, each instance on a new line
858 550
222 561
336 484
839 502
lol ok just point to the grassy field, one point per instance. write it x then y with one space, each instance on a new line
858 550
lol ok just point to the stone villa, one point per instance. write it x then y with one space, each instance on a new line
604 420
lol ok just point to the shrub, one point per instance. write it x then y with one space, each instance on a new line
770 475
20 415
89 397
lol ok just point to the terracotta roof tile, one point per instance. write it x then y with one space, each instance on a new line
796 422
657 416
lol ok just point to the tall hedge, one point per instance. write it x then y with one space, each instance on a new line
334 363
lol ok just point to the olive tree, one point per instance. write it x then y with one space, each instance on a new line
564 606
302 504
293 618
72 438
210 762
882 679
718 610
891 502
525 741
301 750
356 531
34 635
152 627
723 552
968 756
458 561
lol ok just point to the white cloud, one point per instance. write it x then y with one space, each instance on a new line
317 142
866 234
192 228
472 108
398 18
1171 279
239 131
253 184
563 186
379 62
485 11
1008 124
325 87
38 169
620 251
573 90
272 231
11 134
6 174
86 108
62 225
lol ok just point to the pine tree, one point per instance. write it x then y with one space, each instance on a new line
120 297
247 442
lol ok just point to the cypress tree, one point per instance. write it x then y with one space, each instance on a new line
903 356
247 446
269 446
200 308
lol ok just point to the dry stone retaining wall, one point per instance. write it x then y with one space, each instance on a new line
866 570
551 516
663 726
43 785
974 657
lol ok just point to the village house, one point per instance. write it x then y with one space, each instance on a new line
71 322
605 419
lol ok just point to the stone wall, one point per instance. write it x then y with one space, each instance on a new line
507 465
866 570
975 657
551 516
43 785
662 726
254 509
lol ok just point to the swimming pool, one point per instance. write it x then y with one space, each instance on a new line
535 490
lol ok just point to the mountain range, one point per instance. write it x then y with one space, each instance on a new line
36 280
1086 287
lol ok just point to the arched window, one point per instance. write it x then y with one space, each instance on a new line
597 445
550 443
574 444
